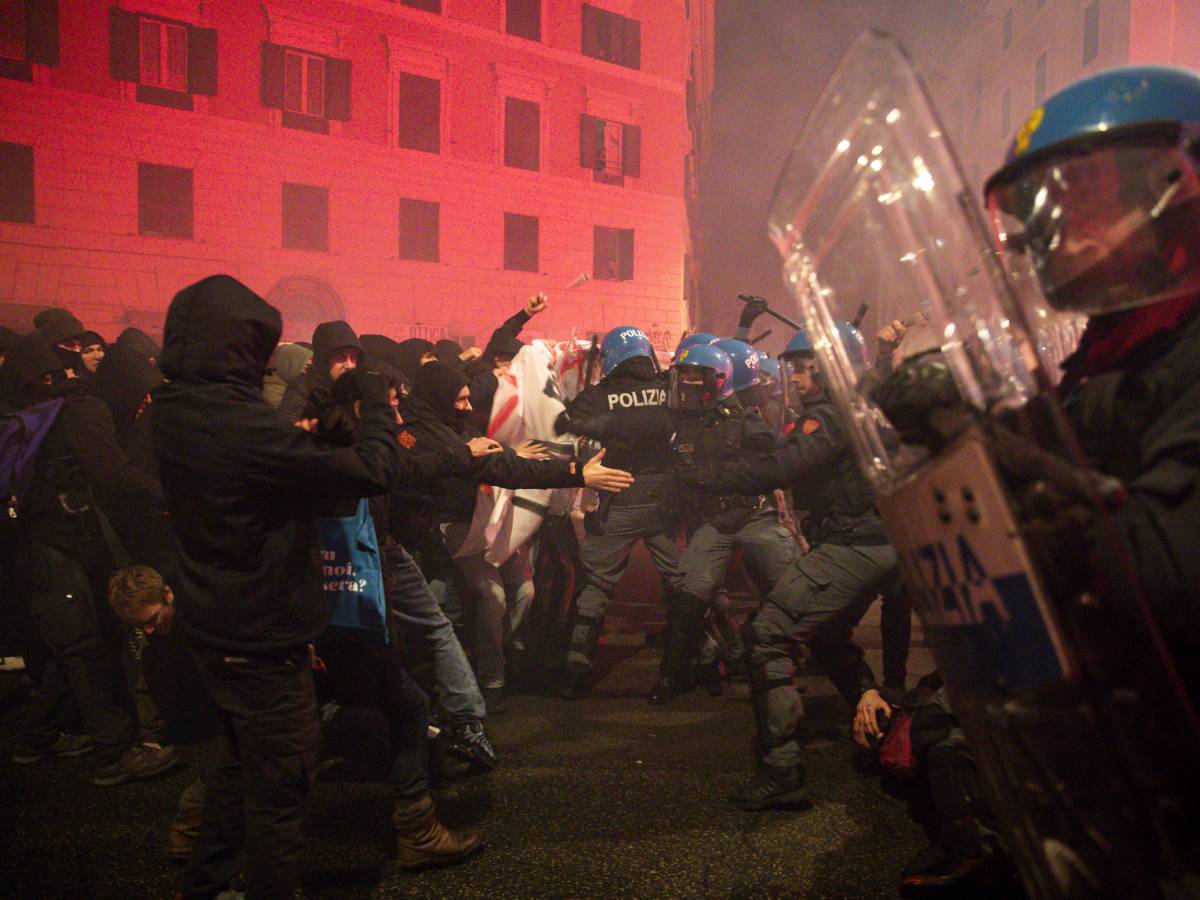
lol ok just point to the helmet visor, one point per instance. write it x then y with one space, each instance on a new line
695 387
797 378
1107 228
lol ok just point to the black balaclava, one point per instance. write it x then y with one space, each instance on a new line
437 386
123 380
448 352
27 362
55 325
140 342
408 357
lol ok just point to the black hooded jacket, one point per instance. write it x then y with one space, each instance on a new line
430 426
243 485
315 384
80 460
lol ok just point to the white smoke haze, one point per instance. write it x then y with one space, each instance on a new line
772 59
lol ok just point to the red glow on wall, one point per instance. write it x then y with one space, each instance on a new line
351 161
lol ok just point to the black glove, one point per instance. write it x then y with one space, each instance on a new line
754 308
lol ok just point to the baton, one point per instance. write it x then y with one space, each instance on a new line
860 315
791 323
581 278
762 337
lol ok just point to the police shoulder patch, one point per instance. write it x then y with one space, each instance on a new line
808 426
406 439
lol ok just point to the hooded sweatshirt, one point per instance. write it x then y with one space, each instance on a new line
243 485
313 386
140 342
290 360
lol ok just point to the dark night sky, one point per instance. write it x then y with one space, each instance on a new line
773 57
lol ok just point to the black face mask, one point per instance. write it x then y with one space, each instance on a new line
460 415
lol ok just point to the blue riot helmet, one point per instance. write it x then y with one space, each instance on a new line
1098 194
701 378
798 365
745 363
622 344
700 337
768 369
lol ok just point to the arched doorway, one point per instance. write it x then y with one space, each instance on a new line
304 302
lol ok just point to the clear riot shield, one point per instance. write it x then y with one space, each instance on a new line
1085 741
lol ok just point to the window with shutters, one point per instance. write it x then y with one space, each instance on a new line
162 54
612 37
612 254
164 201
612 150
16 182
28 36
520 242
168 62
309 89
305 223
523 18
420 121
522 133
304 83
419 230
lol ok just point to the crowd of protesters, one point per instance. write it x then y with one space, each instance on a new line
164 515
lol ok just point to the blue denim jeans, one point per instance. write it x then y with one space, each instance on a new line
427 633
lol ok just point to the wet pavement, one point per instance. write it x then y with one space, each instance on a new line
605 796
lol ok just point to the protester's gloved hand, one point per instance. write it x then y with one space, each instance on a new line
754 308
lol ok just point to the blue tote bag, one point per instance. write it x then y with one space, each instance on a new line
352 577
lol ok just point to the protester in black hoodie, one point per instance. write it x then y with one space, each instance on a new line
440 406
336 350
364 673
62 562
249 592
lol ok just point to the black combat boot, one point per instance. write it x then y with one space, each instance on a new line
577 670
772 788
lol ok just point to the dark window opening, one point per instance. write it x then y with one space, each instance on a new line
524 18
16 183
164 201
612 37
305 217
433 6
28 35
12 29
520 242
420 113
612 254
419 230
522 133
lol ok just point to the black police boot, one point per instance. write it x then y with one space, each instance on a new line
709 675
585 638
681 641
772 788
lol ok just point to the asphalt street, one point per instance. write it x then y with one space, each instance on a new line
605 796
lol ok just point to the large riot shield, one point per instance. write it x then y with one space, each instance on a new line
1087 744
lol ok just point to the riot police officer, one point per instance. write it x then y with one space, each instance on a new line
627 413
1100 197
716 431
821 596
